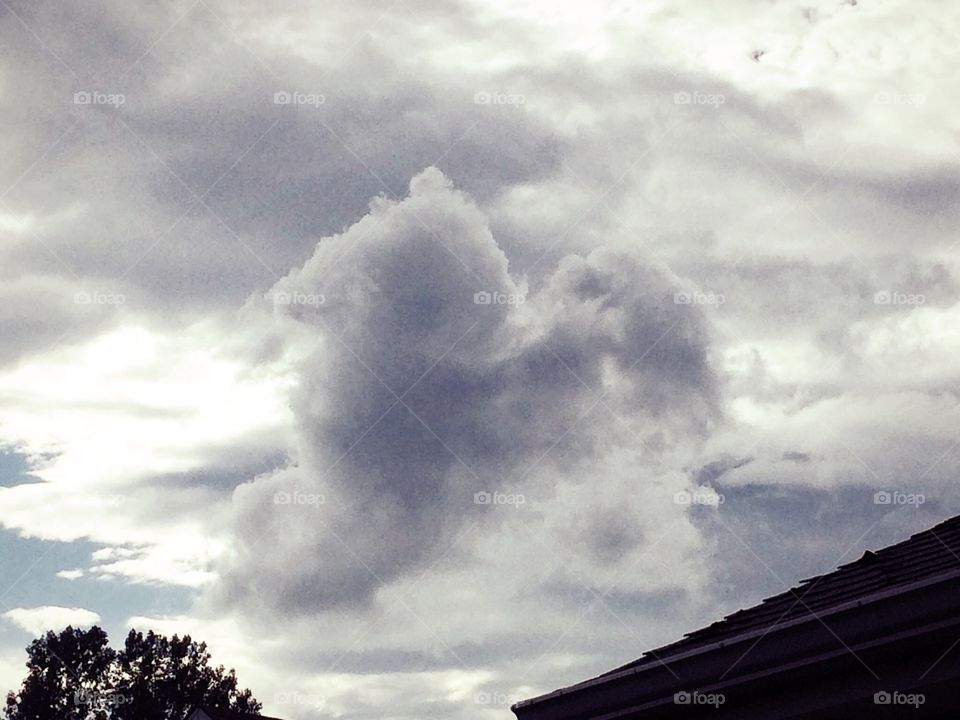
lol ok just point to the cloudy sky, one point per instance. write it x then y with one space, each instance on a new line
423 356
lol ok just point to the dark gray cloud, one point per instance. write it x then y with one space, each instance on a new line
419 397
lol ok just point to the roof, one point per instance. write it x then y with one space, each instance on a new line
911 589
214 714
924 555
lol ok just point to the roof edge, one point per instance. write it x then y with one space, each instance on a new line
618 674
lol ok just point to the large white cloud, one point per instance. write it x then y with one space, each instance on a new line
38 620
136 438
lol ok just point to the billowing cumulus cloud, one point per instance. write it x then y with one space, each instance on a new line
437 377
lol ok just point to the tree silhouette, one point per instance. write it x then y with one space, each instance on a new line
76 675
63 671
161 679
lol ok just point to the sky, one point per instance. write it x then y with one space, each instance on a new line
426 356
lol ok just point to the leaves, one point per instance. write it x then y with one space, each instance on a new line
76 675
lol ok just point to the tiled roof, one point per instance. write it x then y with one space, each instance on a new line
923 556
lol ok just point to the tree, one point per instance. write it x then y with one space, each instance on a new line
161 679
63 672
77 676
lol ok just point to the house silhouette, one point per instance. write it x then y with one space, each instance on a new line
876 638
206 713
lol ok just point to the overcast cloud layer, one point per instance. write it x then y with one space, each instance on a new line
425 356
